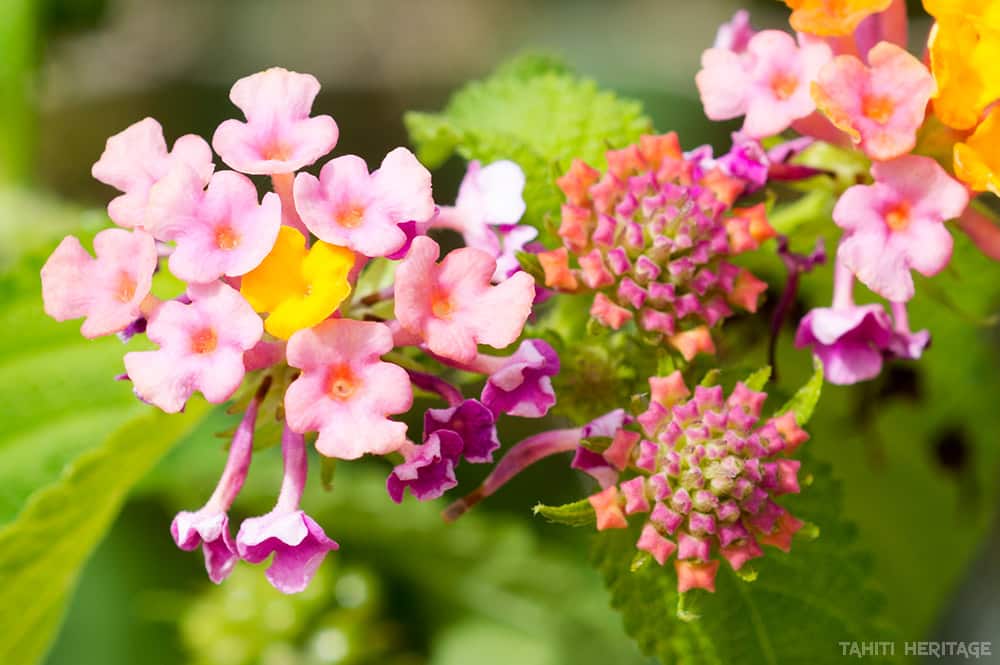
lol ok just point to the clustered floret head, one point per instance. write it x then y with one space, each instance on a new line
703 473
650 237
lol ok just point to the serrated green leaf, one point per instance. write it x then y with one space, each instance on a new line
800 606
803 403
42 551
578 513
536 114
758 379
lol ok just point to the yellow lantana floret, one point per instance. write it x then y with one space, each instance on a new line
977 161
832 18
965 59
296 286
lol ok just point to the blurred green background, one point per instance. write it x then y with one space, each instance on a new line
918 451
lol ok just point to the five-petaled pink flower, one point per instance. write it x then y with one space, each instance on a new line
880 107
769 83
109 290
136 159
897 224
278 135
348 207
221 231
345 392
453 307
201 348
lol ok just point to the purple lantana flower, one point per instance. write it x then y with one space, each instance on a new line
298 543
429 469
521 384
849 340
471 421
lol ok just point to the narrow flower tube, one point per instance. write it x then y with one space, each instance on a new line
298 543
517 459
209 526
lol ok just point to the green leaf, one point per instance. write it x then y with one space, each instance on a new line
800 606
803 403
42 551
758 379
578 513
536 113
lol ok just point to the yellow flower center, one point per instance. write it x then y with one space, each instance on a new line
878 108
898 218
441 305
204 341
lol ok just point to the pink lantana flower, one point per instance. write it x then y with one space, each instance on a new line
135 159
897 224
209 525
349 207
109 290
345 392
881 106
278 135
221 231
453 307
298 543
769 83
488 196
201 348
735 35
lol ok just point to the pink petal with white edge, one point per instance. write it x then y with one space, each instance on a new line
201 348
230 233
108 290
136 158
345 392
278 136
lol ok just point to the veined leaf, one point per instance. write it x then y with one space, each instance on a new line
803 403
801 605
578 513
759 379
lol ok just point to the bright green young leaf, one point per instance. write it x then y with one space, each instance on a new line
532 111
42 551
758 379
803 403
799 608
578 513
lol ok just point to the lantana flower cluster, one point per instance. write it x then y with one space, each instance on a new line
846 78
703 473
269 315
650 238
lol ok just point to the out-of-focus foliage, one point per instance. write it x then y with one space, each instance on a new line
537 113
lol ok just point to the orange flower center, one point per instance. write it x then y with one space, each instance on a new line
126 288
349 216
276 151
226 237
784 85
878 108
341 383
441 305
898 218
204 341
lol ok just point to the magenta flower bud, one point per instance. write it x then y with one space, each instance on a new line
472 422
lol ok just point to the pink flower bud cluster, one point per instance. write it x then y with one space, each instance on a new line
650 237
704 473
